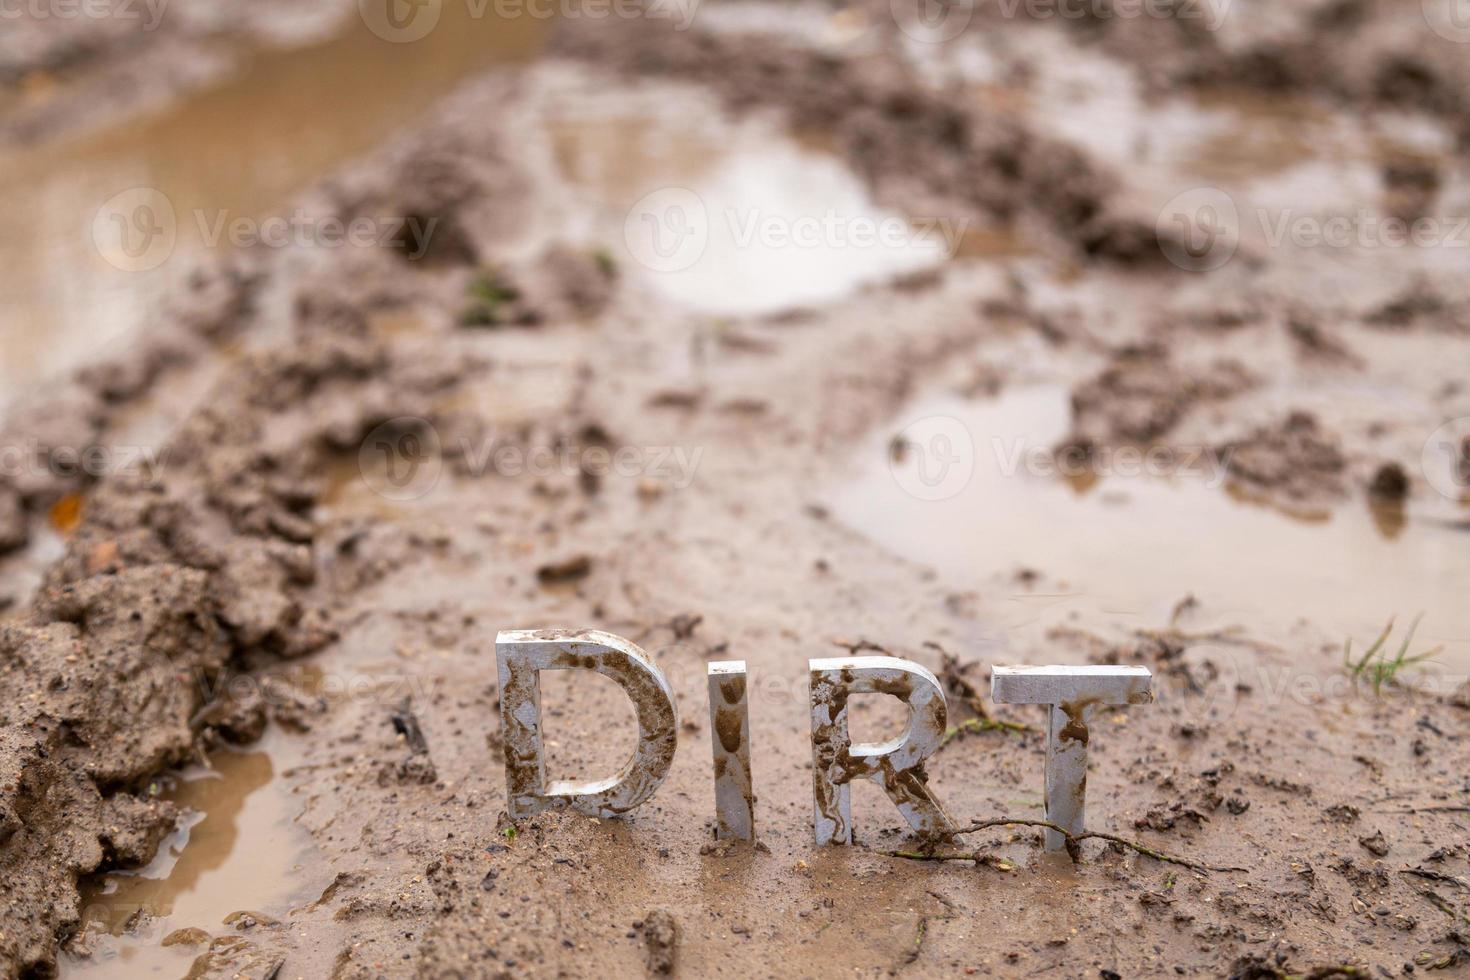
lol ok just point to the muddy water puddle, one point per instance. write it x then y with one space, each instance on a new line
101 226
21 573
237 862
970 492
741 218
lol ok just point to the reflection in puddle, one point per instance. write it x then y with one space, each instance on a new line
237 150
1125 549
741 220
21 573
237 850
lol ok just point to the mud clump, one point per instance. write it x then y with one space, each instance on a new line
1140 397
1293 462
569 570
1421 304
1410 187
1390 482
561 285
231 957
168 587
661 940
452 195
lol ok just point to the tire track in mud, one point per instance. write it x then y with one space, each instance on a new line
920 148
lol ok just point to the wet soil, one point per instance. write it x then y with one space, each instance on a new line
250 719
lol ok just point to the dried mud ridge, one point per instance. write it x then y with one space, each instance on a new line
221 564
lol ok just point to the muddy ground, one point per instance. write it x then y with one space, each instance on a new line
251 651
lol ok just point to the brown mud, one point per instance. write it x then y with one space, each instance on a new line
367 461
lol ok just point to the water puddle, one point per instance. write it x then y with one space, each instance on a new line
21 572
740 219
239 149
237 850
1126 548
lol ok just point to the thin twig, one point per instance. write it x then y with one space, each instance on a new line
957 684
977 725
1073 845
979 857
1438 902
921 928
1429 875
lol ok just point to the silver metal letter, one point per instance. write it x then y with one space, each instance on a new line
729 721
896 765
1071 693
522 655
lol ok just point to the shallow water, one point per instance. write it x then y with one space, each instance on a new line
1124 548
237 850
741 219
170 181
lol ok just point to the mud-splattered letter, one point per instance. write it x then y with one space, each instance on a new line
1071 693
729 722
897 765
522 655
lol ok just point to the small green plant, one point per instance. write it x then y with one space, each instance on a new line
1375 666
489 299
606 262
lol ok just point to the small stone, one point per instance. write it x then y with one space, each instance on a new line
1375 844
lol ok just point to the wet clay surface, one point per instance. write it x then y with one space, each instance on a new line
346 516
